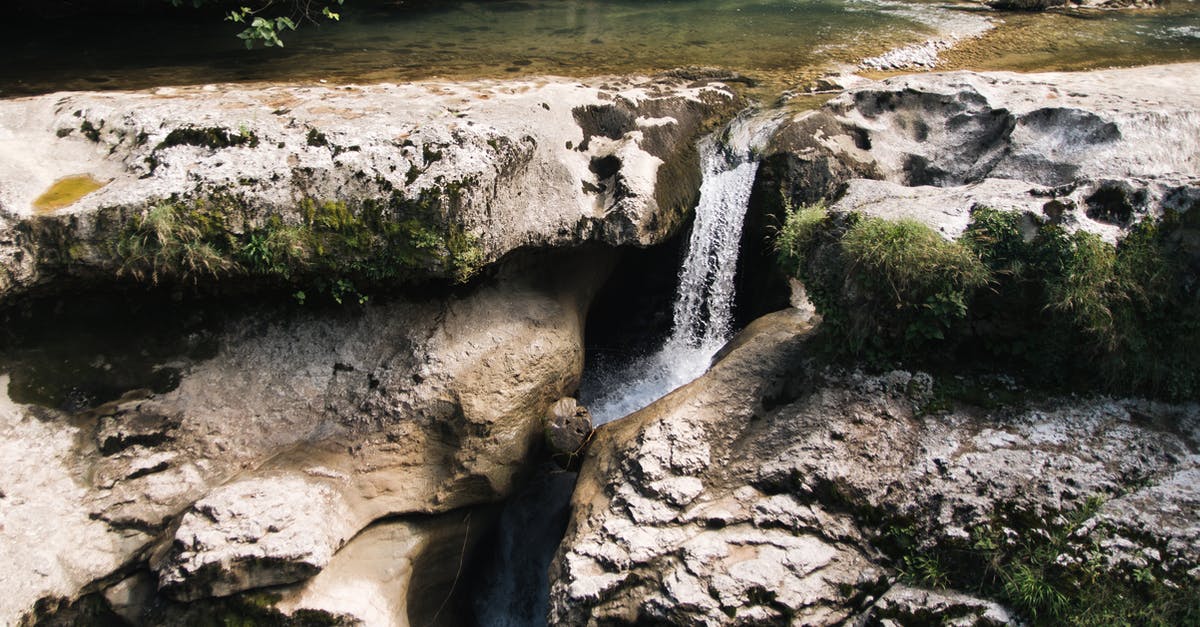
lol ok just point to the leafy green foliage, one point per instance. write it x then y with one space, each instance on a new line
1070 308
885 286
264 26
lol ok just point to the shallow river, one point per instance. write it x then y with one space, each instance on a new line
779 41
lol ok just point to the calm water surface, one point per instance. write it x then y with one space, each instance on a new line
469 39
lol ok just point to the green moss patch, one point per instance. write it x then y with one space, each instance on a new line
66 192
214 138
1068 308
336 248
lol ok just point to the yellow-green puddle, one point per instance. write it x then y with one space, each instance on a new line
66 192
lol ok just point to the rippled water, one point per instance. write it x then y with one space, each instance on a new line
467 39
1086 39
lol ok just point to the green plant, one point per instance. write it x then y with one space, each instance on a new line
924 570
264 26
165 241
798 234
316 138
1063 307
1050 568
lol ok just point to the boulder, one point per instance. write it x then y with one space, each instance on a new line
1090 150
568 425
906 605
776 490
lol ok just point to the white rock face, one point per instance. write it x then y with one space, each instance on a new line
256 533
768 490
304 429
1089 150
50 547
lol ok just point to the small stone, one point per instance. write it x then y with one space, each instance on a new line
568 425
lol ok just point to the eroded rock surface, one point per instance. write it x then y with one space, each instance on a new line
303 429
1088 150
500 165
770 492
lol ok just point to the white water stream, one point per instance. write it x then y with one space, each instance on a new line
703 311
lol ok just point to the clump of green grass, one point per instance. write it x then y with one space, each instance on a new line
164 242
798 234
886 286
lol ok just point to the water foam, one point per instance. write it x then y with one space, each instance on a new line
703 309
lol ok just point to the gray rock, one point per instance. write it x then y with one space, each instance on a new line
232 482
395 573
254 533
1051 129
905 605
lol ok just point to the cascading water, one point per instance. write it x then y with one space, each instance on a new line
703 309
516 591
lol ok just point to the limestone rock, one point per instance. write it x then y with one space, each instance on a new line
254 534
905 605
502 164
767 490
1091 150
231 482
395 573
661 533
1050 129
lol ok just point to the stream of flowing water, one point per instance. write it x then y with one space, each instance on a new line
516 592
703 307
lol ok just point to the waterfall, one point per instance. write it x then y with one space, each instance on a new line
703 309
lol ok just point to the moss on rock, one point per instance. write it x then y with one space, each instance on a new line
326 246
1067 307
